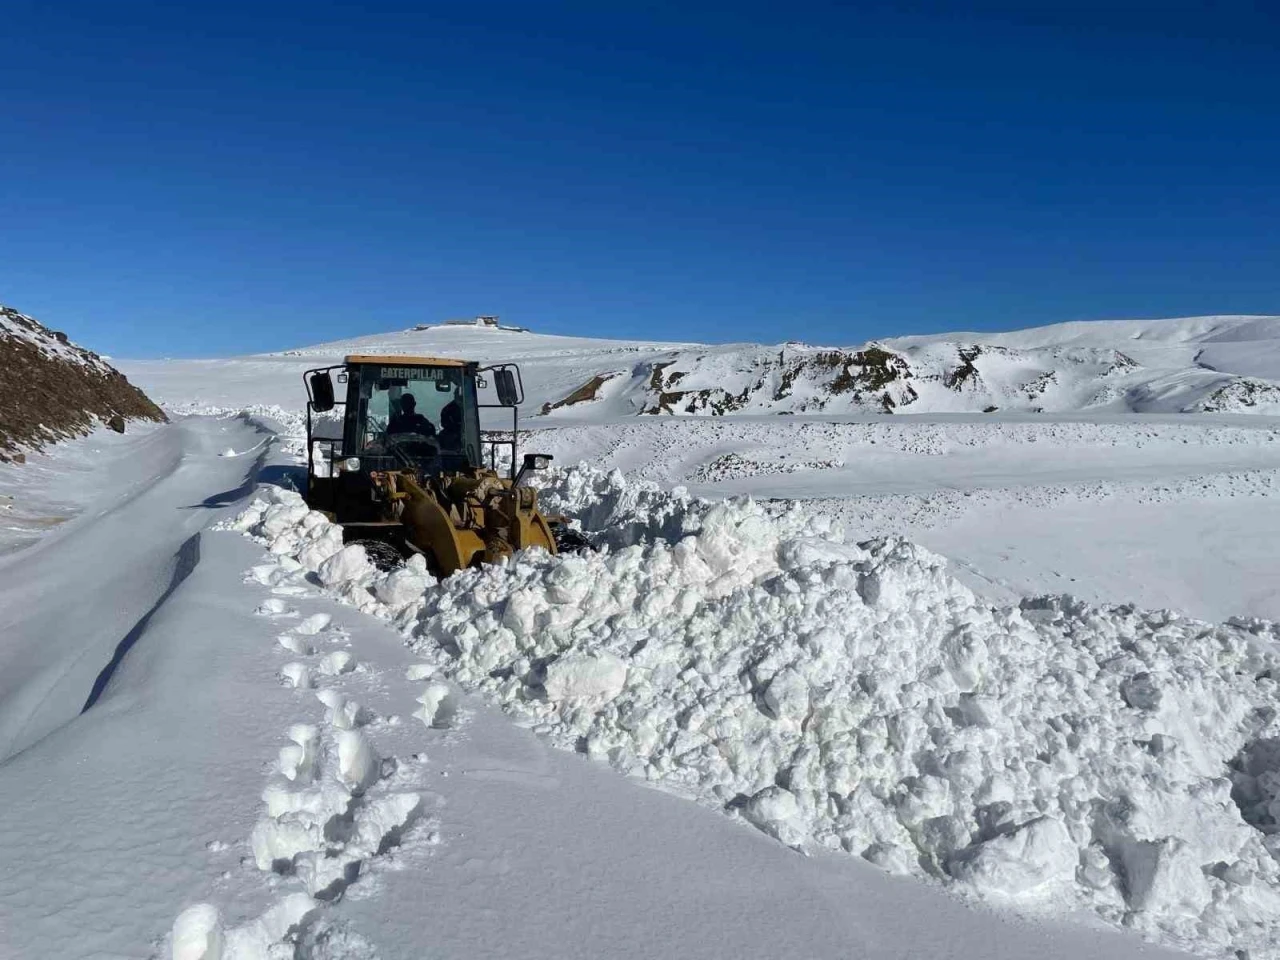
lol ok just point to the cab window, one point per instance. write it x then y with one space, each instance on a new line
422 403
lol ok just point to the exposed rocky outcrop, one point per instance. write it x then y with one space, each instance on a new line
51 389
1242 395
794 379
966 372
911 376
584 394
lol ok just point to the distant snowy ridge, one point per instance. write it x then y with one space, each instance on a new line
1151 366
53 389
1196 365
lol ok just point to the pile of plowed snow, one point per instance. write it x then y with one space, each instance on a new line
1050 755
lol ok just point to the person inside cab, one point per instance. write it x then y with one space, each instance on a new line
408 420
451 426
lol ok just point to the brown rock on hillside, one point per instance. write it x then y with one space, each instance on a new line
51 389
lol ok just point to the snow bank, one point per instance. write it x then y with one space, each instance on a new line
1049 755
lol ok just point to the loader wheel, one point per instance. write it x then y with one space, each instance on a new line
569 540
385 556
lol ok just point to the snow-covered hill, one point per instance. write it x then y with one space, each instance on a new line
1205 364
1200 364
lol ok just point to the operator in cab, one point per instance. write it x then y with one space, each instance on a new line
451 426
408 420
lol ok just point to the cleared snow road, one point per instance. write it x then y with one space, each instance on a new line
69 602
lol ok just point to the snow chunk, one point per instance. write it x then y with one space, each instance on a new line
295 644
280 841
358 762
347 565
342 713
197 933
298 675
777 812
437 704
380 822
255 940
597 677
405 585
1140 692
313 624
337 662
420 671
297 760
1033 859
275 607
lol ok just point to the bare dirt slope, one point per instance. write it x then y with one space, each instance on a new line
51 389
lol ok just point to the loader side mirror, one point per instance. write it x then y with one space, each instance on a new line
533 462
537 461
504 382
321 392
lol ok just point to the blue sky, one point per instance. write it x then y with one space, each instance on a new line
211 179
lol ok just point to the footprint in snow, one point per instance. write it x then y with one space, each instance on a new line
313 624
336 663
275 608
332 806
341 712
297 675
295 644
326 819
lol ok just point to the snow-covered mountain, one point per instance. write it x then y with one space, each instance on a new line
1192 365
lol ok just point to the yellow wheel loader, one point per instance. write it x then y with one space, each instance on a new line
400 462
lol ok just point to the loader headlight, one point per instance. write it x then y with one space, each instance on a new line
351 464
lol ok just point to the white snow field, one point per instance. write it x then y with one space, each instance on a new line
258 778
953 684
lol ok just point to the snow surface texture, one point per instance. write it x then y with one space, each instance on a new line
1048 755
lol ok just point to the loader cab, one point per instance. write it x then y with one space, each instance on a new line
393 413
395 455
415 415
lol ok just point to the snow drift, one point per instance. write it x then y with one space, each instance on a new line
1049 755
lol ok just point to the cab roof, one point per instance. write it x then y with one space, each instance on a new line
406 361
